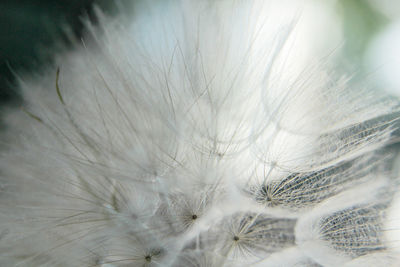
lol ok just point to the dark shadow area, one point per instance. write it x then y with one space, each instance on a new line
28 30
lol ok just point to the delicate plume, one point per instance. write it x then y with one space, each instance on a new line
188 133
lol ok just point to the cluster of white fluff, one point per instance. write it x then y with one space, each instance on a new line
186 135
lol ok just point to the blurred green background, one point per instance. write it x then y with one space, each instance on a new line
361 21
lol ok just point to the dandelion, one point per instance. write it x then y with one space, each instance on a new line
188 134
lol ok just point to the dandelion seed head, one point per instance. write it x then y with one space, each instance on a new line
191 133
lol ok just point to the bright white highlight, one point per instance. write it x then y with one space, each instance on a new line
383 58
